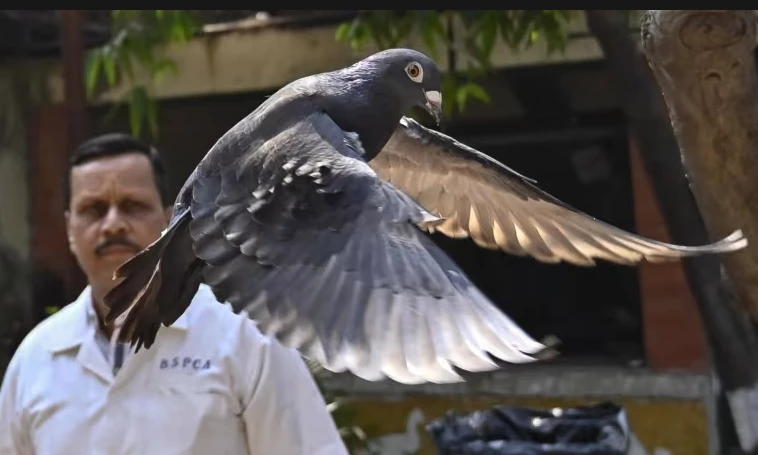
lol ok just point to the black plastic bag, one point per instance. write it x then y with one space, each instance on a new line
598 429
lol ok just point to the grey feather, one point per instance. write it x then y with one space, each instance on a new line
310 216
498 208
348 276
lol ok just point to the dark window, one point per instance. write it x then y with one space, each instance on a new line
595 312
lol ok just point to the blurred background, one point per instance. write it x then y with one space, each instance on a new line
529 88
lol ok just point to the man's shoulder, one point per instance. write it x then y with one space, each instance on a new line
52 326
36 346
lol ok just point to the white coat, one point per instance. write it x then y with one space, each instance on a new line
211 384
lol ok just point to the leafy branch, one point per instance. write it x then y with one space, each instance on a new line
481 30
138 37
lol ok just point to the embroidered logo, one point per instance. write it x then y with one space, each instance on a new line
183 363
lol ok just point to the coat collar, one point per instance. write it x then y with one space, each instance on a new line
77 320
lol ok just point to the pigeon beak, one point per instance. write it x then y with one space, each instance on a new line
434 104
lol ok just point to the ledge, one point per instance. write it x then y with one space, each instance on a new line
568 382
264 58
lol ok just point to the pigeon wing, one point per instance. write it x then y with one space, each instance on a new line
303 236
498 208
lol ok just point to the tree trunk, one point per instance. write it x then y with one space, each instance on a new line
704 64
731 336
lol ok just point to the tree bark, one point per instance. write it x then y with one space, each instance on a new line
731 336
704 64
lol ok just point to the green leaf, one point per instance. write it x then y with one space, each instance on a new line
50 310
125 62
461 95
489 35
143 50
179 31
477 91
139 34
357 34
93 66
534 36
137 109
431 30
110 70
152 117
470 90
343 31
449 92
163 67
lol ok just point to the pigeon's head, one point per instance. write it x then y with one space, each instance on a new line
413 76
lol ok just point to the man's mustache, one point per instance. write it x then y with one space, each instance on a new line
116 241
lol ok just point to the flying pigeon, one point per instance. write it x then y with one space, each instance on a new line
311 215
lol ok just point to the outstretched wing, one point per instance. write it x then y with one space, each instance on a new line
303 236
499 209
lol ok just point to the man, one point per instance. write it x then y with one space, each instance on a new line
212 383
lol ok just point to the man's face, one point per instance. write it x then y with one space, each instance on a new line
115 211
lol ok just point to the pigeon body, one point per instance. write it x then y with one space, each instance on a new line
310 215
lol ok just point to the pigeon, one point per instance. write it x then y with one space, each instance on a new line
312 216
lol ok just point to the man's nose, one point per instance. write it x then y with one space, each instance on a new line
114 222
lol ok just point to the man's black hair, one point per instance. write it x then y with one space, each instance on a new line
113 144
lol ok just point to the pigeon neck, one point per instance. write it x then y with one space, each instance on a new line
381 127
373 113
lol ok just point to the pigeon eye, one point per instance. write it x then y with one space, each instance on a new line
415 72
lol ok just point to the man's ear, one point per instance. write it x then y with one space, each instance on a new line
168 211
67 216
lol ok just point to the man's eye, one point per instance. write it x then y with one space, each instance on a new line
134 206
95 210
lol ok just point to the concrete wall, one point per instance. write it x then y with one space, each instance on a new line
263 57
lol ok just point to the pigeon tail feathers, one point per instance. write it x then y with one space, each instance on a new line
158 285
